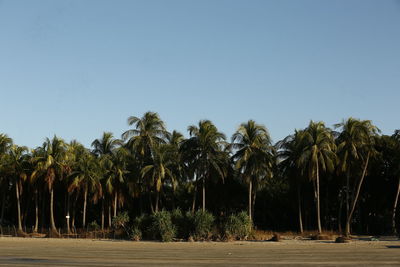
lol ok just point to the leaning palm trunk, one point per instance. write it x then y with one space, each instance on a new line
318 204
18 207
250 204
194 198
84 208
204 194
36 212
52 223
353 206
115 203
394 230
157 200
299 209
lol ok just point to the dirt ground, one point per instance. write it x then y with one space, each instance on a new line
83 252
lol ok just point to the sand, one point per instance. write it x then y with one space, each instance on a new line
84 252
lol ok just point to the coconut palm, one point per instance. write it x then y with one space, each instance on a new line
5 144
254 156
289 150
105 145
52 165
396 172
355 148
85 176
149 131
17 170
318 154
205 149
159 170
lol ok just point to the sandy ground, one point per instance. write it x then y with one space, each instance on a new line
83 252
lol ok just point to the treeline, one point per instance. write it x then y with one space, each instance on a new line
344 178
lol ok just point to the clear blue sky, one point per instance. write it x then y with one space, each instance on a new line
78 68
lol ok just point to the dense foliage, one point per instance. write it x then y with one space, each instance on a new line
345 178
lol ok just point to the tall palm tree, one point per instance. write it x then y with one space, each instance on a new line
149 131
159 171
16 170
52 165
105 145
105 148
318 154
355 148
289 150
396 145
254 156
5 144
85 176
206 151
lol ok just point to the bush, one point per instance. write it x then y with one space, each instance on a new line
162 227
142 224
181 223
135 233
237 226
93 226
201 224
120 220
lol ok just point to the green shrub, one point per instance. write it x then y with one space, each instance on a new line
237 226
93 226
121 220
201 224
143 224
135 233
181 223
162 227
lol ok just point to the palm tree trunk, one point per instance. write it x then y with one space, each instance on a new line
340 215
204 193
253 202
353 206
157 200
299 209
115 203
109 214
52 223
36 212
394 230
194 197
18 207
102 214
74 212
67 217
250 190
84 207
318 205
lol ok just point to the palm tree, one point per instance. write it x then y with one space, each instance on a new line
5 144
158 171
289 151
104 148
149 132
206 152
85 176
52 165
16 169
355 147
318 153
254 156
106 145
